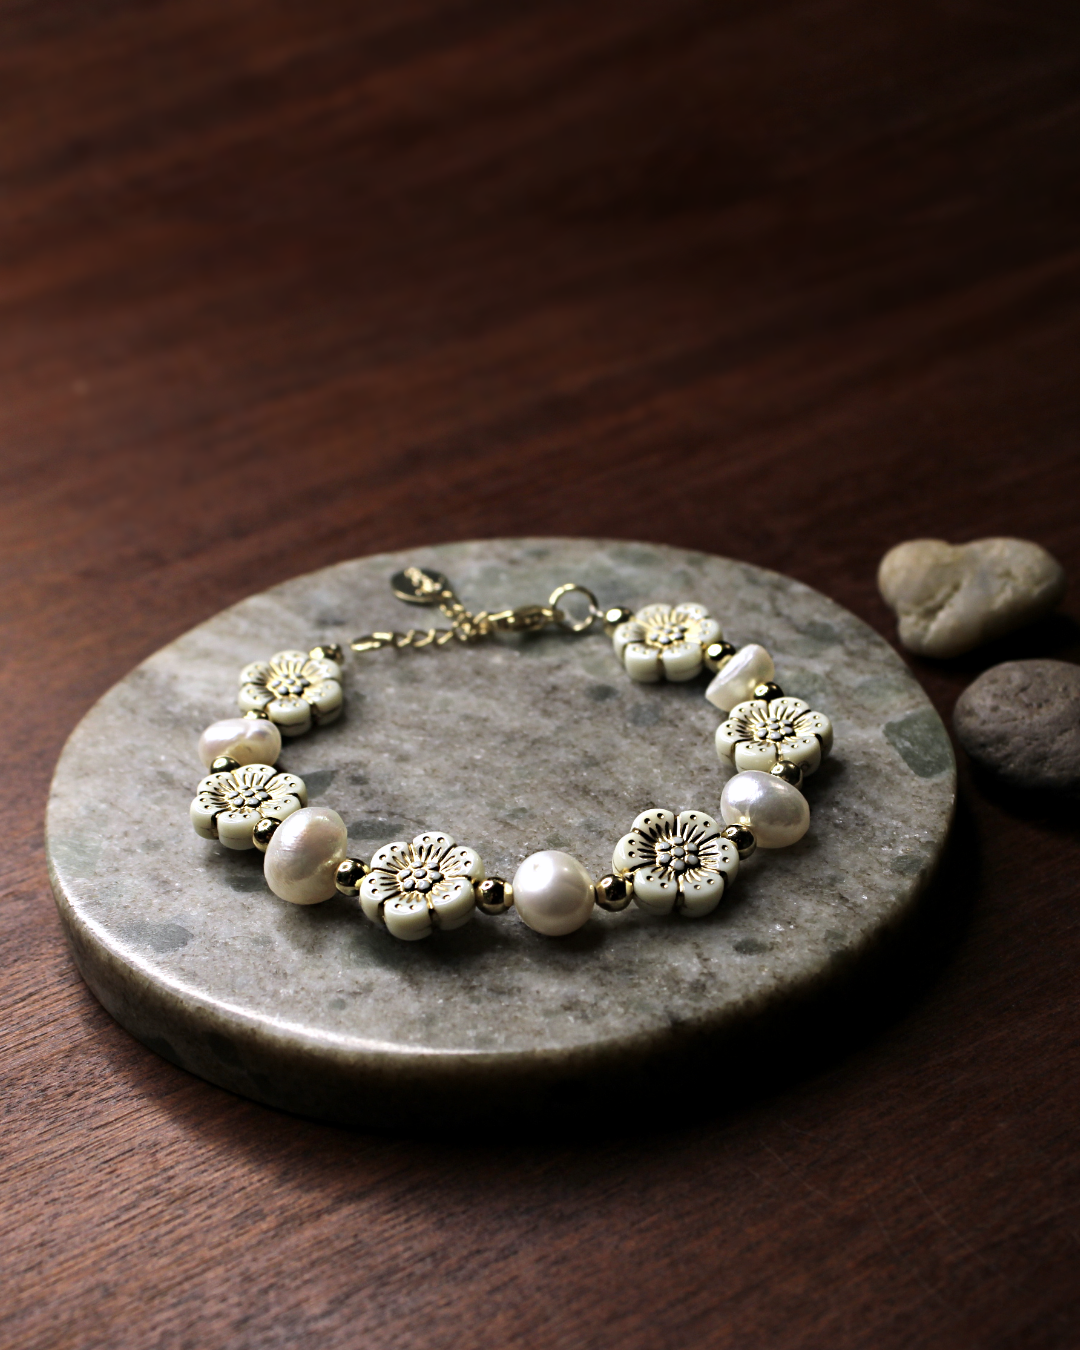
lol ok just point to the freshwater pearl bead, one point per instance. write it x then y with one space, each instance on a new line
553 893
775 811
735 682
249 740
303 857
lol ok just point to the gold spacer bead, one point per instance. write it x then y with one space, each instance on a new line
264 832
614 616
790 773
768 691
742 838
494 896
256 715
615 893
349 875
718 654
327 651
224 764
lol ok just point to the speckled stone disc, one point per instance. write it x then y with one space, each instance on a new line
511 746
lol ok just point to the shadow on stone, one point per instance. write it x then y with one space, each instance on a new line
703 1078
1058 811
1056 635
695 1075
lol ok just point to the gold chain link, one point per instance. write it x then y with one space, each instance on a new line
418 586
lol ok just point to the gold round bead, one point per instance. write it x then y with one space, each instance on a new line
349 875
494 895
790 773
224 764
327 651
616 615
742 838
718 654
768 691
615 893
264 832
256 715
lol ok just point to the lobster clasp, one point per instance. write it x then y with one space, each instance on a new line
523 619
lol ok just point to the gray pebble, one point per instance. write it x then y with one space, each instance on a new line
1021 720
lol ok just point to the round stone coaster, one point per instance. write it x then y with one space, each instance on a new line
511 745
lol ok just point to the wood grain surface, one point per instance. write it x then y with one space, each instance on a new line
282 284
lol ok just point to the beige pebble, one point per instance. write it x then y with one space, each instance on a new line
951 598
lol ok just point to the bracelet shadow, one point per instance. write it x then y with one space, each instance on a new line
704 1075
697 1074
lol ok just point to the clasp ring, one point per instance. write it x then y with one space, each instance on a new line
563 619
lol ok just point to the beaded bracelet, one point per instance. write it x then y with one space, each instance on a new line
667 861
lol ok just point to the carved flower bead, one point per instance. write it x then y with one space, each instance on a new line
678 861
758 733
292 689
665 642
228 806
414 887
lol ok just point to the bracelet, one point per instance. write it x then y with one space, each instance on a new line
668 861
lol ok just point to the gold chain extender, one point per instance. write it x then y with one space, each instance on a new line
421 586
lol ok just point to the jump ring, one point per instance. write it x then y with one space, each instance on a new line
562 619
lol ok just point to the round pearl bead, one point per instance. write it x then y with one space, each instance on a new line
304 854
775 811
553 893
736 681
249 740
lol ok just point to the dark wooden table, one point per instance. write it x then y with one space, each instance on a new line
282 284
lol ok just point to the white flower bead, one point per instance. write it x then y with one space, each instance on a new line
677 861
249 740
292 715
553 893
292 689
408 917
326 700
415 887
665 642
737 679
228 806
758 733
303 856
775 811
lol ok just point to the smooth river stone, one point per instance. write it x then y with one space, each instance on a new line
949 598
1021 721
512 746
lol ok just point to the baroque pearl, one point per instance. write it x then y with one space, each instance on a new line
736 681
249 740
775 811
553 893
303 857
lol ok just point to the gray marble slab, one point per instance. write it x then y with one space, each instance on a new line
511 746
